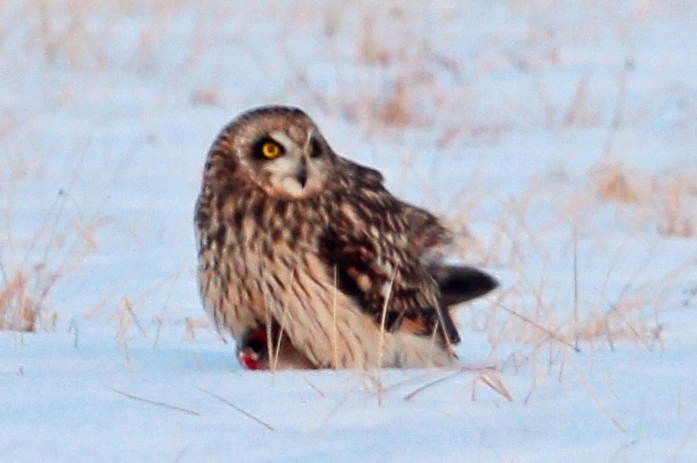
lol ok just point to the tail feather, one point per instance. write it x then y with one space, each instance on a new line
461 283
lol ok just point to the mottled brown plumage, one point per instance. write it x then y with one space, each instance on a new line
310 262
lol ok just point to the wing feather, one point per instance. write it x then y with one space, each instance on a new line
377 245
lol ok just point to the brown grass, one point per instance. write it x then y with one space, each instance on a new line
27 284
369 49
530 311
33 261
17 311
613 185
667 202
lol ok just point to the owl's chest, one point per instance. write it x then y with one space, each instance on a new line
276 237
271 239
278 270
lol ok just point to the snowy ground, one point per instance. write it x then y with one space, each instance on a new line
558 139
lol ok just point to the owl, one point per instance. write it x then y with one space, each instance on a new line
308 261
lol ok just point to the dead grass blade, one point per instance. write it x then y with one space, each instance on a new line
596 399
494 381
128 308
155 402
241 410
335 334
428 385
381 341
545 330
276 352
336 408
16 311
485 375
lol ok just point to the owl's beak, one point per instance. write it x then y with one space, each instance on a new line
302 173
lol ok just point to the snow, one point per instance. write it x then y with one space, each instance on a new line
517 115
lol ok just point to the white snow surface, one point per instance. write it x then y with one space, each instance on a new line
557 139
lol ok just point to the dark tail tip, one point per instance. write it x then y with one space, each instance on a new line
461 284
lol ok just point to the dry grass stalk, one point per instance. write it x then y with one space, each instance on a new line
614 186
369 50
617 326
530 307
190 328
674 219
487 374
156 402
579 114
126 316
336 408
128 308
207 96
596 399
554 333
22 299
241 410
423 387
335 334
397 110
275 351
17 312
381 341
667 202
492 379
55 248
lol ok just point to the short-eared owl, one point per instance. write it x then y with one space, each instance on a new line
310 262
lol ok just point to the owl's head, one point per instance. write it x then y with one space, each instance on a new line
279 149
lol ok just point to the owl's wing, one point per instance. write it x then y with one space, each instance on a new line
375 244
364 186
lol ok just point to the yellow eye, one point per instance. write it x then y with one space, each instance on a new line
271 150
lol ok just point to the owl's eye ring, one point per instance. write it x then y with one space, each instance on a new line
269 149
